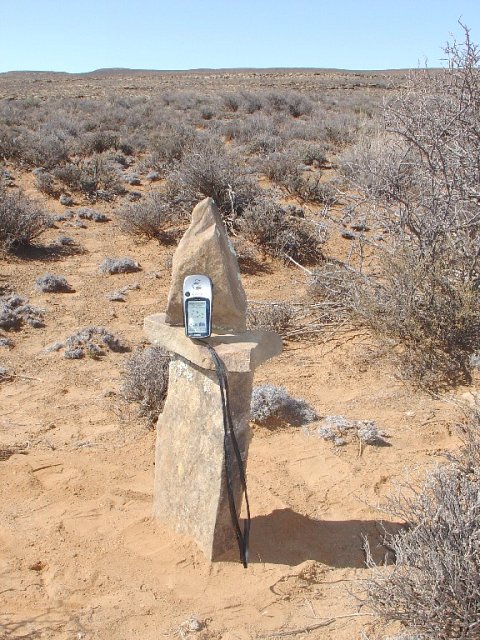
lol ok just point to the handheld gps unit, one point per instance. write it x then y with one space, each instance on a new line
197 306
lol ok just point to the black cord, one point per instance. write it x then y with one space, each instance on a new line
230 438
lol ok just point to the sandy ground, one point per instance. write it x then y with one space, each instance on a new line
81 556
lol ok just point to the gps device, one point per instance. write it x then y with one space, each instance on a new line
197 306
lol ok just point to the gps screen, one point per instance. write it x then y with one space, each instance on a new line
197 316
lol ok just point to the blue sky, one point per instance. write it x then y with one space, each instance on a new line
83 35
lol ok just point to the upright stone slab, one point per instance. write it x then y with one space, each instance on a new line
190 493
206 249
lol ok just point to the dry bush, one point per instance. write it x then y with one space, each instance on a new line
119 265
21 220
95 178
207 170
15 311
421 187
274 406
279 317
281 231
50 283
150 219
434 586
90 342
146 380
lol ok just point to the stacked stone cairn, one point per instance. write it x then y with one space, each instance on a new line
190 492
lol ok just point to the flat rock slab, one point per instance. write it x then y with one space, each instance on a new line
242 352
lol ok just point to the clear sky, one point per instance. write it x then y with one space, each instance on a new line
83 35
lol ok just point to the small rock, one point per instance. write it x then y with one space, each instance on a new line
55 346
115 296
348 235
134 196
132 180
360 226
5 342
91 214
152 176
66 200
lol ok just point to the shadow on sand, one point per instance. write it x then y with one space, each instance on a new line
287 537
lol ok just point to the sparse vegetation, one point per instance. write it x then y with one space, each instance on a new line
15 311
119 265
90 342
420 184
21 220
150 219
146 380
50 283
433 587
282 231
274 406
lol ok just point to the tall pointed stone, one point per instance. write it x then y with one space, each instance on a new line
206 249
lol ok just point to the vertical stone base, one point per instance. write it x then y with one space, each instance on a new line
190 493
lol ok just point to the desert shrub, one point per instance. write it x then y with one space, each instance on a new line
45 183
433 587
311 153
207 170
99 141
95 178
421 188
231 102
21 220
279 317
119 265
145 380
280 167
273 406
280 231
15 311
150 219
49 283
90 342
168 144
310 189
41 148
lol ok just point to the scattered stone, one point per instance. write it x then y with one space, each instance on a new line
64 241
6 177
348 235
132 180
475 360
66 200
63 217
339 430
119 295
50 283
115 296
90 214
206 249
119 265
55 346
360 226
